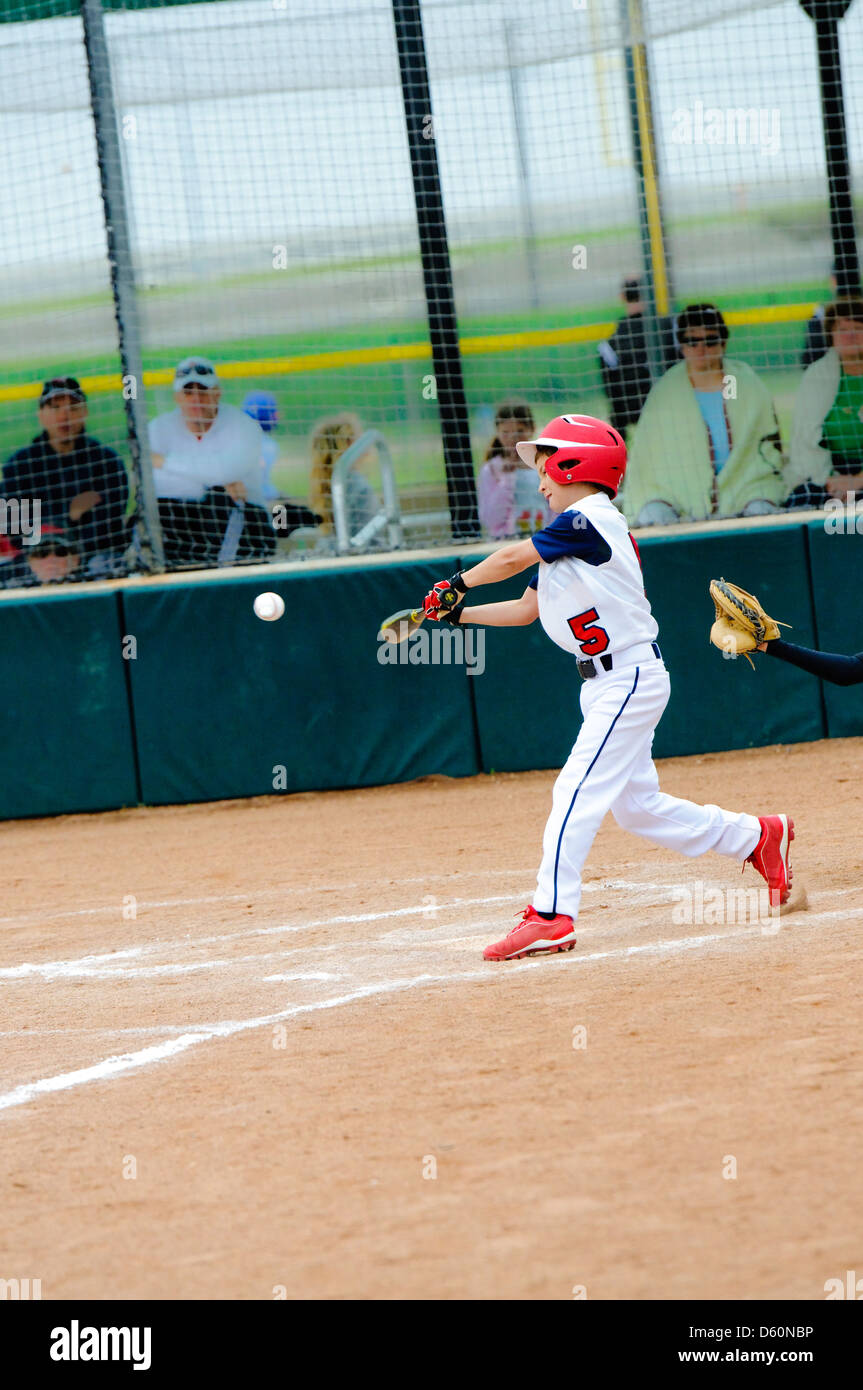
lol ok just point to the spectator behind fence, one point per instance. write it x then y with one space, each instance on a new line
826 456
707 444
262 406
330 439
510 502
208 475
80 485
817 341
52 560
289 514
624 362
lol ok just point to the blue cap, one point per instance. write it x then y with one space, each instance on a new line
261 405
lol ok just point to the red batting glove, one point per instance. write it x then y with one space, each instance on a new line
440 599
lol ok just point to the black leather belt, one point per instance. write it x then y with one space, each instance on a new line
588 669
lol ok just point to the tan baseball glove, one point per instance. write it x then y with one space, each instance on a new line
741 623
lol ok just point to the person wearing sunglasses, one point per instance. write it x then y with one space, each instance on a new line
209 475
707 444
53 559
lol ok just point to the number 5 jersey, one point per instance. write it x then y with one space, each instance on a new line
590 586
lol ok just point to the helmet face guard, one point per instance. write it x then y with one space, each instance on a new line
587 450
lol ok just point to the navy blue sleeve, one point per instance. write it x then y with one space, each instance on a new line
534 583
838 670
104 524
15 475
572 534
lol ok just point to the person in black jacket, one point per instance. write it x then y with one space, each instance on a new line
624 361
80 485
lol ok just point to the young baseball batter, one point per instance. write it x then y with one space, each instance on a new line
589 596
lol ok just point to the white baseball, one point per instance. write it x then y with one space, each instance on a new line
269 607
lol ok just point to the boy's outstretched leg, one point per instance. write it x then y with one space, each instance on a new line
691 829
620 713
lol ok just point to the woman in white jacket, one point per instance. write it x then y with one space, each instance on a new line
826 456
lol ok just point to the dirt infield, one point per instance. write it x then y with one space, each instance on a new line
251 1049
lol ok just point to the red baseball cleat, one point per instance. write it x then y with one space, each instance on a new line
771 856
533 936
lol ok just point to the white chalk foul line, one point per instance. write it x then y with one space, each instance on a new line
144 905
52 968
158 1052
82 964
111 1066
115 1066
104 966
57 968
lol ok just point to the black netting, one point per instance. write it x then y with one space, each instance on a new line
392 282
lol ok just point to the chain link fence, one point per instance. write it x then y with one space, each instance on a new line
282 281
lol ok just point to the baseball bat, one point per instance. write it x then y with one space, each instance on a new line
399 626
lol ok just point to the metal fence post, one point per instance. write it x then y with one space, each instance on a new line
122 274
825 15
658 293
437 270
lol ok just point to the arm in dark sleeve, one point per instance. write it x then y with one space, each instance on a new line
104 523
17 477
572 534
838 670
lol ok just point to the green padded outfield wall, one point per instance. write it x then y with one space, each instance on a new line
836 558
223 700
67 740
216 701
717 703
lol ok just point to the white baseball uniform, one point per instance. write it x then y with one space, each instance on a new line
592 603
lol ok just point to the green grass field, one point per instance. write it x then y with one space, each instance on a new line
389 397
392 397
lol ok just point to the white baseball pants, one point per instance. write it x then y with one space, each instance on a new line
611 769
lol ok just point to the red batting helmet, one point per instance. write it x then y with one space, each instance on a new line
587 450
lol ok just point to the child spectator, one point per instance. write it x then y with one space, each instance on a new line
510 503
330 439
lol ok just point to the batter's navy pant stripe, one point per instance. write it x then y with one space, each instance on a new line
584 779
